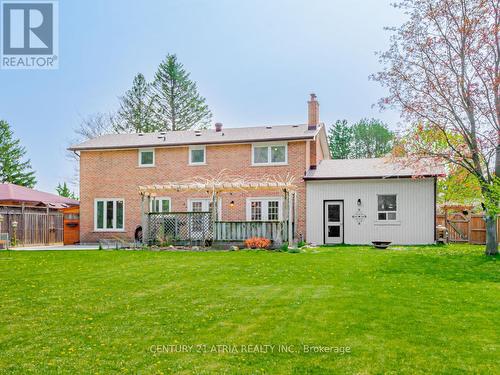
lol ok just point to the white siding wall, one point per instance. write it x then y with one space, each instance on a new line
415 200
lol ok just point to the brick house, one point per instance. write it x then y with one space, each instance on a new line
166 183
113 167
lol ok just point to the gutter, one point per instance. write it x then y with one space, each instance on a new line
368 177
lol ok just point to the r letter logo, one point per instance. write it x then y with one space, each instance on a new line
29 35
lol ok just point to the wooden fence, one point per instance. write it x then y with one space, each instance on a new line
465 228
34 227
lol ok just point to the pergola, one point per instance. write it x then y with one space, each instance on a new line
224 183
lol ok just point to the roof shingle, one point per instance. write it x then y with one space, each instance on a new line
11 192
204 137
371 168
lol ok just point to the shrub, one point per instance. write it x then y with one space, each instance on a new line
301 244
284 247
257 243
294 251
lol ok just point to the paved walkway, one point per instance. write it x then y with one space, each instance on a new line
69 247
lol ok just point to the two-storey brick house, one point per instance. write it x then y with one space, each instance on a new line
130 183
113 167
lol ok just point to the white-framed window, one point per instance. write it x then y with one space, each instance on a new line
160 204
197 155
270 153
147 157
264 209
387 207
109 214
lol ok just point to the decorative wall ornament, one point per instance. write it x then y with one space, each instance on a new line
359 216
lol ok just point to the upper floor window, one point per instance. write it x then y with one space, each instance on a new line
109 214
147 158
270 154
387 207
160 204
197 155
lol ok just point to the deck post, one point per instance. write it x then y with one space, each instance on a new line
290 217
145 204
215 213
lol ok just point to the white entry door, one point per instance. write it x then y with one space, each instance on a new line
334 222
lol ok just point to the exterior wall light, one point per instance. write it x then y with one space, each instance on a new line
359 201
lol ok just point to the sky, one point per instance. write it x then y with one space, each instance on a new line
255 62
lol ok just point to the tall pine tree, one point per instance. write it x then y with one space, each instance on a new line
339 140
12 167
137 109
179 106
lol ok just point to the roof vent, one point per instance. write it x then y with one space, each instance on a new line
163 133
197 134
218 127
140 134
269 127
162 137
295 126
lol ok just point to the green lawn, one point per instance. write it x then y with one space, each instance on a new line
416 310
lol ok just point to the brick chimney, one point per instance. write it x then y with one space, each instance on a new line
218 127
313 113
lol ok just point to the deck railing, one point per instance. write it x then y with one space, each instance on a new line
179 227
277 231
198 227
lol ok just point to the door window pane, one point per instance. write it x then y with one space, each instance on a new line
256 211
100 215
119 214
273 210
333 231
260 155
278 154
197 206
109 214
165 205
333 213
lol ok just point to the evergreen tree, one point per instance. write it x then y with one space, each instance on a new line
136 113
339 140
63 191
12 167
179 106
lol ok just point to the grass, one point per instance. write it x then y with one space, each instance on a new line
412 310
